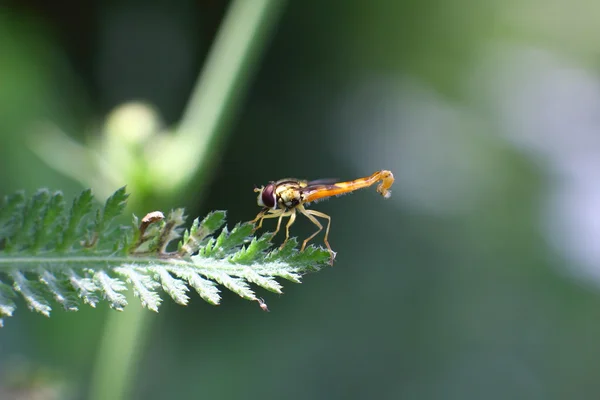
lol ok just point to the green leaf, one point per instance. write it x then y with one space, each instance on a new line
171 230
32 293
213 221
61 292
7 305
227 241
253 251
238 236
205 288
68 256
192 239
236 285
10 215
31 220
265 282
84 287
80 209
51 222
144 287
114 206
312 257
111 289
174 287
286 252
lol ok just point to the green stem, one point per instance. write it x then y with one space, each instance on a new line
119 352
15 262
229 67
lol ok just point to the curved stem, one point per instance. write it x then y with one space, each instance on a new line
230 64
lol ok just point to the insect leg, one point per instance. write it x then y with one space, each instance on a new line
287 227
318 224
263 215
314 221
259 216
278 225
322 215
311 214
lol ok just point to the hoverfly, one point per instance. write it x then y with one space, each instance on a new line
287 197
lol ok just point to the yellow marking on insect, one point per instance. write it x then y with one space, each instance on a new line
285 197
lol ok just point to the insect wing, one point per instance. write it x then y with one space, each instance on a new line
322 182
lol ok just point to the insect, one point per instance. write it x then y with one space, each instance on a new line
287 197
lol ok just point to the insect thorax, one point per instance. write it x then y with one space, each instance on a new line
289 195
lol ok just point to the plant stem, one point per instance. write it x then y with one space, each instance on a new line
229 67
232 62
119 351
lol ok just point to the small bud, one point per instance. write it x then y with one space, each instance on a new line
149 219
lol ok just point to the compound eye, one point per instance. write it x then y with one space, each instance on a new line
268 196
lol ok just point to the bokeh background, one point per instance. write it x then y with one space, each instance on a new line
478 279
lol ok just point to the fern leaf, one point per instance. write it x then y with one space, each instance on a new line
263 281
238 236
49 254
193 238
30 216
205 288
176 288
144 287
7 305
50 223
253 251
236 285
171 230
9 212
113 207
61 292
33 295
81 208
84 287
111 289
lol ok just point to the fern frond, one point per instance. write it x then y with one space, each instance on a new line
49 254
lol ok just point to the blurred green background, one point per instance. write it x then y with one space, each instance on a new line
478 279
